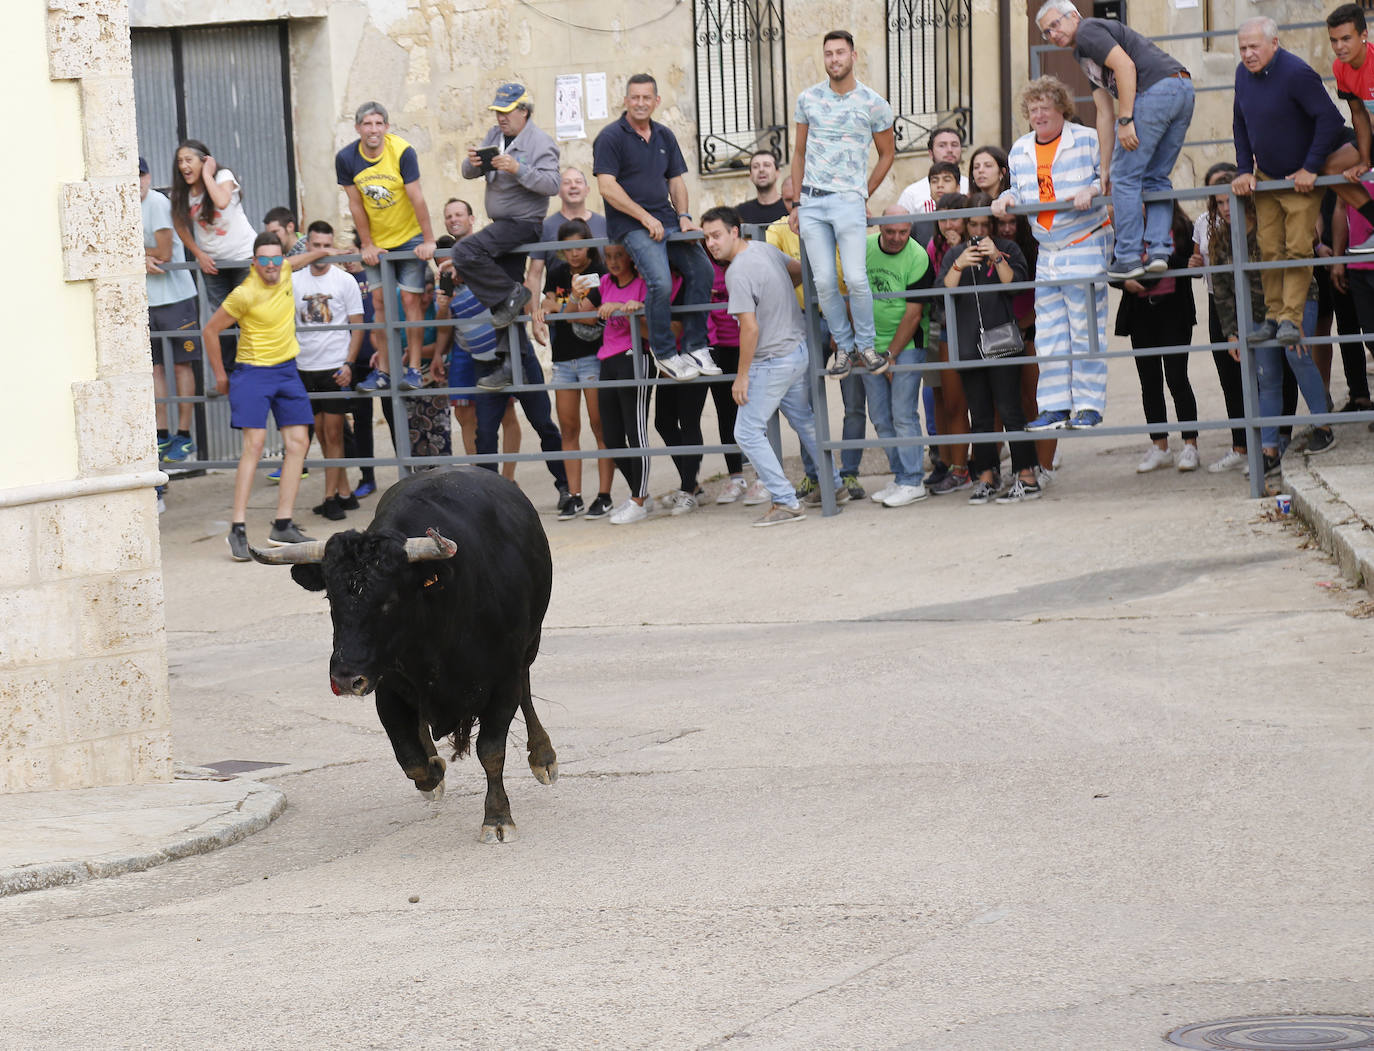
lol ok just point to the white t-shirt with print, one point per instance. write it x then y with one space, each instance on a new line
225 233
329 299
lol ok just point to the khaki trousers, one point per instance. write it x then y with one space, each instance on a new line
1286 225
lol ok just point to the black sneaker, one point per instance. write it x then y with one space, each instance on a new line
851 482
290 534
982 493
1272 465
571 508
498 375
348 503
600 507
1323 438
508 311
238 544
938 473
330 509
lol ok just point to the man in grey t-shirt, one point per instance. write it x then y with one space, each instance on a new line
773 359
1144 101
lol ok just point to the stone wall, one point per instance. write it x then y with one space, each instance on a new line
83 681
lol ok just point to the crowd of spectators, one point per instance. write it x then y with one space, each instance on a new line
1083 225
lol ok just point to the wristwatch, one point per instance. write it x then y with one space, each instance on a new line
1124 121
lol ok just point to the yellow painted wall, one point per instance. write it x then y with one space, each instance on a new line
49 332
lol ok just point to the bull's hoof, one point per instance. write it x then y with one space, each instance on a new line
545 773
434 794
431 779
496 834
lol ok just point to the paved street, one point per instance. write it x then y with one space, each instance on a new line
1062 775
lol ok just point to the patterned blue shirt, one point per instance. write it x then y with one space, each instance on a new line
840 129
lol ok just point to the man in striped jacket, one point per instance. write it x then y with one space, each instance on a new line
1061 161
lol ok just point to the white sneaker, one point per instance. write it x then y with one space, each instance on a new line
630 512
906 494
684 503
883 493
757 493
1045 477
1229 462
1187 458
705 364
678 367
1154 460
670 500
734 489
1054 464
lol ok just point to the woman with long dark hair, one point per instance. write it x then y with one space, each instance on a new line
208 216
988 171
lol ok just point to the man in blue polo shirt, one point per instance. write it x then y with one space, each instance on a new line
639 167
1287 127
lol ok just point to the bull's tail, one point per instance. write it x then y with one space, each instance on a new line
461 738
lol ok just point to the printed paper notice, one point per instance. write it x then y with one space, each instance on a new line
596 96
567 107
1181 4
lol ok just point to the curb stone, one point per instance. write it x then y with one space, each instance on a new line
1339 528
259 808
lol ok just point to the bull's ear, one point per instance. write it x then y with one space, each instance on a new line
309 576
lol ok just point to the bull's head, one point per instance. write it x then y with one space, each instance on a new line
373 591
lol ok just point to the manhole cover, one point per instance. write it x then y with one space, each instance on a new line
1279 1033
240 766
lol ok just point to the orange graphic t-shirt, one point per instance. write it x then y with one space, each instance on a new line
1044 163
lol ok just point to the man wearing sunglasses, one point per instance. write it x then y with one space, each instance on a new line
265 378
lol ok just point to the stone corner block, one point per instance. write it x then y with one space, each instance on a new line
107 117
119 613
115 428
102 229
88 38
121 327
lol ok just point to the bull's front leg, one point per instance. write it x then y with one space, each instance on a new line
497 825
404 727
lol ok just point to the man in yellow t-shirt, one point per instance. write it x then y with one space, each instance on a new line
380 175
265 377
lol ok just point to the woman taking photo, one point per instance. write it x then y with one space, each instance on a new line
208 215
985 260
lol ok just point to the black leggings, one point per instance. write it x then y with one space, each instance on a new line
997 390
1153 327
1352 354
677 418
1228 374
726 409
625 420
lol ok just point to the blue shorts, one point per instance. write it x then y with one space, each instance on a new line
253 389
410 273
584 370
461 373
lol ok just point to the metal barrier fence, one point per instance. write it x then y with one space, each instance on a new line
1239 267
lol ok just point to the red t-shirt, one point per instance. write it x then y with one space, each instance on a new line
1352 83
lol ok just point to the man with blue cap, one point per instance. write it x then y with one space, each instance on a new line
520 165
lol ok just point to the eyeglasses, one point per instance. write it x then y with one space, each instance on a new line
1050 27
269 260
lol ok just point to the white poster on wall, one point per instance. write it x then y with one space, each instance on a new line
1181 4
567 107
596 96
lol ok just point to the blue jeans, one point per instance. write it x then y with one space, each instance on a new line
894 407
777 384
852 393
1162 115
825 224
535 403
1269 365
655 261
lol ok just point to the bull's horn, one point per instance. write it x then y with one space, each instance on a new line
289 554
430 547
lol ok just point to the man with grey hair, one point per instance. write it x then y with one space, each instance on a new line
572 195
381 176
1144 101
1287 127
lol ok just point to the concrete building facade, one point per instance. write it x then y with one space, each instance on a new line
83 681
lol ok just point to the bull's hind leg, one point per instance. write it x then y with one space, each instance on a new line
497 825
543 759
403 725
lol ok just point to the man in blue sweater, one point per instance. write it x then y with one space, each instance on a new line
1287 127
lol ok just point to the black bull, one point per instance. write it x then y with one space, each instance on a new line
438 606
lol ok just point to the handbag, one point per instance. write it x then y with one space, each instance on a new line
1000 341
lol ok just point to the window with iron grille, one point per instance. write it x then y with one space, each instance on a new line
929 69
741 82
